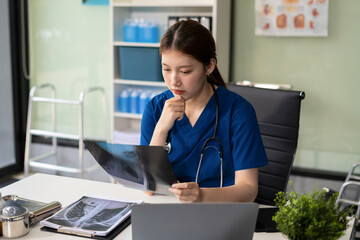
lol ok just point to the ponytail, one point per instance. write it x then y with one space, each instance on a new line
216 78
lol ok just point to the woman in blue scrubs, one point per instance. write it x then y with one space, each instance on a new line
185 116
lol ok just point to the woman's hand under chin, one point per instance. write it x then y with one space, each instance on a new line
187 192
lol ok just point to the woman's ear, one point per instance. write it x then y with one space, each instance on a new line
210 68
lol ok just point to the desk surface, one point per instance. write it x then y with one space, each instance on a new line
48 188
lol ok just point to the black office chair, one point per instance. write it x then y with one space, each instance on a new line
278 113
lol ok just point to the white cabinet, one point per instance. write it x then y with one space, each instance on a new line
159 11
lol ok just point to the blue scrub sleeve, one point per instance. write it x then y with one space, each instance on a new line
148 124
247 147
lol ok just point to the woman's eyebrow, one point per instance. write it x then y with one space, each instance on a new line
181 66
185 66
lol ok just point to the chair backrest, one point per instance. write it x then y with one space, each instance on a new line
278 113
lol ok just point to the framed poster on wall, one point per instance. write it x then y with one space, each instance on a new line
291 18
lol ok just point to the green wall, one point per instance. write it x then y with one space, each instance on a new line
69 47
326 68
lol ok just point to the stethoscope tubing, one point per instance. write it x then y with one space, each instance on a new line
168 144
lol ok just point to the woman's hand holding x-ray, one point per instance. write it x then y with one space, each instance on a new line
187 192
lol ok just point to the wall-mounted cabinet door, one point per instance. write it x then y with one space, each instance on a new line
13 90
7 136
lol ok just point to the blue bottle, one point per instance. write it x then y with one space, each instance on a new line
128 101
144 98
122 101
131 30
148 32
134 101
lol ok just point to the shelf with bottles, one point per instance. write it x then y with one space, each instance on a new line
130 100
141 60
136 35
215 14
154 14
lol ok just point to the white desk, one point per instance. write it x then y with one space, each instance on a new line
48 188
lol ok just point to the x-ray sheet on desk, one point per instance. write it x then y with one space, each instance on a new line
141 167
91 214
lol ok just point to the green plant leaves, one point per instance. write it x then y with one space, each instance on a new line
310 216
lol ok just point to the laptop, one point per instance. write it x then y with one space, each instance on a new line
142 167
215 221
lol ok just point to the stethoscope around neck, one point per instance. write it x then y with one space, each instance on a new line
205 146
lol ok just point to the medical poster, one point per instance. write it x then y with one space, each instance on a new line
291 18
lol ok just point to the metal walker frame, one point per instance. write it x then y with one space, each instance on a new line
34 162
351 180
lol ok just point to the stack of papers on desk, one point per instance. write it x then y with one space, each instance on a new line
127 136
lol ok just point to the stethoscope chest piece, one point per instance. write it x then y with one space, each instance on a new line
168 147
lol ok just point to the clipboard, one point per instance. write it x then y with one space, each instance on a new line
98 217
109 236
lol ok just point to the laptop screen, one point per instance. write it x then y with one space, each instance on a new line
215 221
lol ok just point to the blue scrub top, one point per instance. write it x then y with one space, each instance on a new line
238 132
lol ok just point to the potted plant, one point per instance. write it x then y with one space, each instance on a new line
310 216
